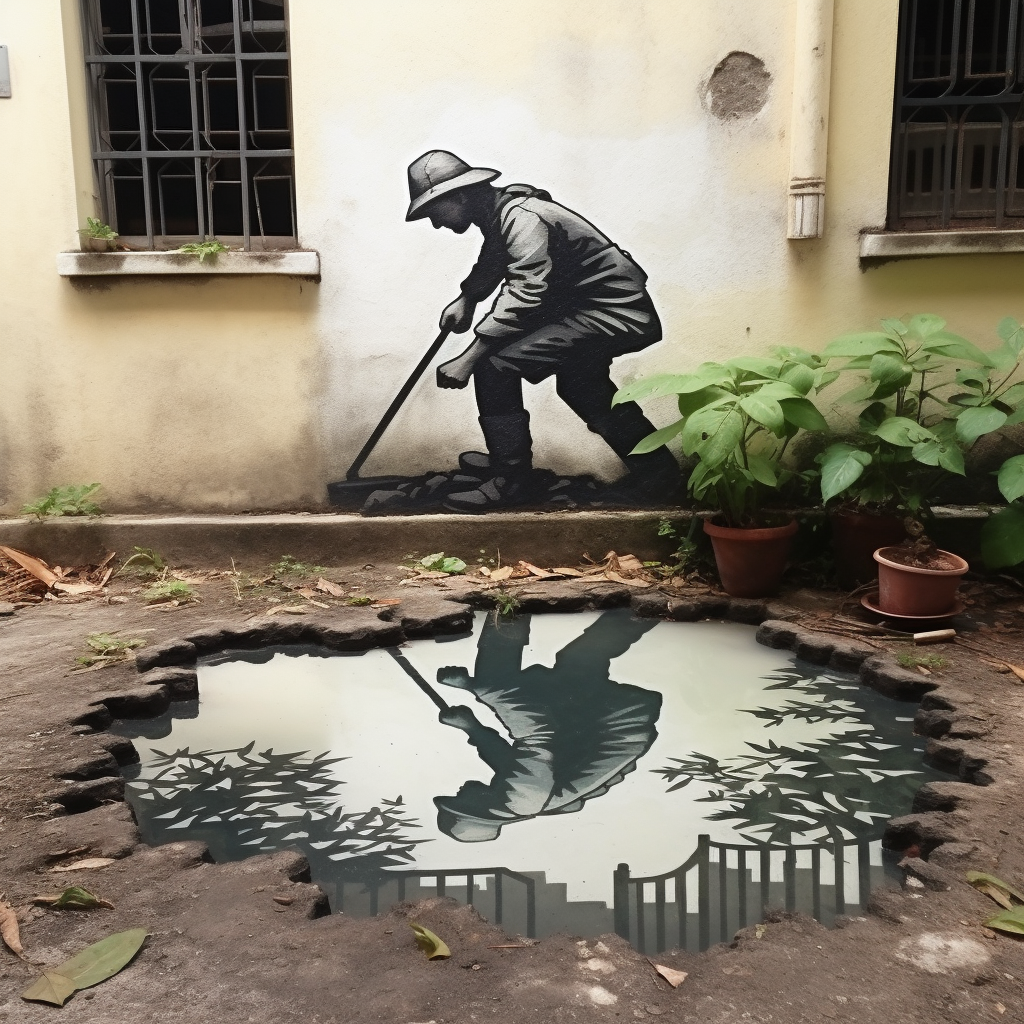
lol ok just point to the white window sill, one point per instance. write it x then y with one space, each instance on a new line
290 263
895 244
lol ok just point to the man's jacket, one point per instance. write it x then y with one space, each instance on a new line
551 264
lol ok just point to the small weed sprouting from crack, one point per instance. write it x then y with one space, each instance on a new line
108 649
143 562
289 566
506 604
72 500
169 590
911 659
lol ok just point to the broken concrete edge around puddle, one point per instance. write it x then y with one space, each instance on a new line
168 673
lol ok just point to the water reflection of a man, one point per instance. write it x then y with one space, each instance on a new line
575 731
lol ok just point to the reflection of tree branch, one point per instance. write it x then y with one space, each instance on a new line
840 785
240 804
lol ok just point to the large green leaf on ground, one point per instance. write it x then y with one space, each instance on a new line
96 963
842 465
1002 537
972 423
1011 478
434 947
1010 921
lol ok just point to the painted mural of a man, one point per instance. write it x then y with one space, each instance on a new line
569 301
574 732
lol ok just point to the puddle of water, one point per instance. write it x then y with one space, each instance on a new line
583 773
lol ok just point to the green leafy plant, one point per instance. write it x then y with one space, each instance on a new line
1002 536
506 603
211 247
738 418
359 602
440 562
289 566
97 229
143 562
72 500
928 397
169 590
108 649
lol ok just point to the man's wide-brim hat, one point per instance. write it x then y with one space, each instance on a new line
437 173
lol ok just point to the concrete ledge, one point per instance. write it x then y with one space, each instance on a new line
896 244
291 263
550 538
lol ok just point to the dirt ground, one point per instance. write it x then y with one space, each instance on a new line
221 949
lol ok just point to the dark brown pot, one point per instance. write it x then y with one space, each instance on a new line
856 536
751 562
922 593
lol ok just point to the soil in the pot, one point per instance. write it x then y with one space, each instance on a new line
921 553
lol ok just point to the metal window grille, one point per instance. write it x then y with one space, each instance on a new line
958 127
191 120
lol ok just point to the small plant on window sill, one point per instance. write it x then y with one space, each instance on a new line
211 247
97 236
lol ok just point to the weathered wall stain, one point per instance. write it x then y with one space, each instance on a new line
738 87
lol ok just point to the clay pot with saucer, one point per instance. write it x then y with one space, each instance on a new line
910 591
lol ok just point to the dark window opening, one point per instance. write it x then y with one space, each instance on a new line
191 120
958 124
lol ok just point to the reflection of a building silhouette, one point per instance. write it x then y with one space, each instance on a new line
575 732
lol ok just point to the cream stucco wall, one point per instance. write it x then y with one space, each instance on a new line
253 393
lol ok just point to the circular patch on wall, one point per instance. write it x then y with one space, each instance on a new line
738 87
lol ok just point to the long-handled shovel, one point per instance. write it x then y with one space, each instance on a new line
418 679
352 492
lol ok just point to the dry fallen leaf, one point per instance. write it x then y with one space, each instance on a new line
9 929
434 947
614 577
386 602
327 587
533 570
484 571
563 571
673 977
498 575
89 864
1017 671
306 592
76 588
630 563
33 565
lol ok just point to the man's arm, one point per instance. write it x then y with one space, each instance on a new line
527 243
494 750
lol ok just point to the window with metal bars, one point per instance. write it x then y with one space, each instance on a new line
191 120
958 127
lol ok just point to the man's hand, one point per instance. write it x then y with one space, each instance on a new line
458 317
455 373
458 717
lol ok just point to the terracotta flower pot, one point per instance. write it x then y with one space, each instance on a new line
908 590
856 536
751 562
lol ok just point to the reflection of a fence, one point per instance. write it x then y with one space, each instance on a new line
724 887
374 896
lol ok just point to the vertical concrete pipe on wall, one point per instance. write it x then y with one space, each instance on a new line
812 73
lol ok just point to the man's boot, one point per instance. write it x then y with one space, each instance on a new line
510 460
653 476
